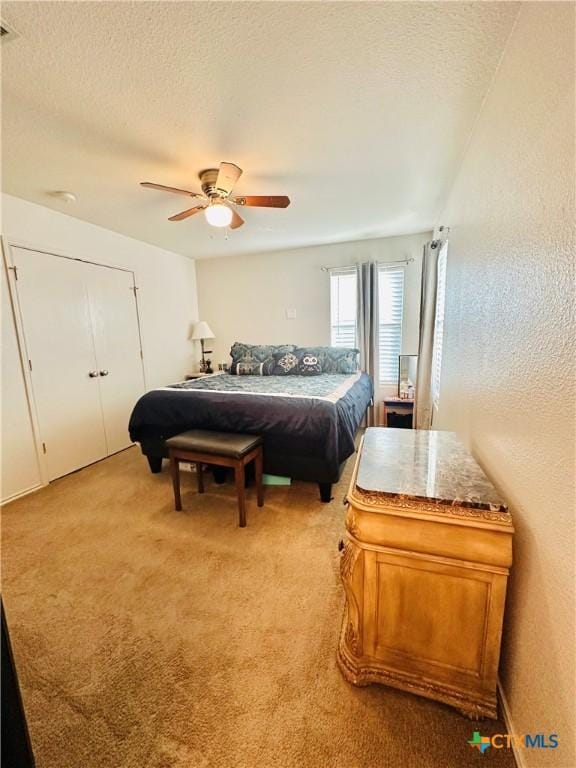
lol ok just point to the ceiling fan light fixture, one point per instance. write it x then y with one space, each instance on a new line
218 214
217 185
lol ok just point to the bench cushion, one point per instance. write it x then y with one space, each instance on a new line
216 443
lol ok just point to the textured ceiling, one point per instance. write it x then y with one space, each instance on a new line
358 111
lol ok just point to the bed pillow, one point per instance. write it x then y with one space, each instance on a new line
255 359
332 359
340 360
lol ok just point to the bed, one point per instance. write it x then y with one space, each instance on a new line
308 423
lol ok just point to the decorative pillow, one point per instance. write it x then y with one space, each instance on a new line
308 364
332 359
247 369
255 359
286 359
340 360
281 364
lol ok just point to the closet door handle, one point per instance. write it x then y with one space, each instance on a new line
93 374
103 373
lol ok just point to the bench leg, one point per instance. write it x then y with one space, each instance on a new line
219 474
240 490
258 465
200 477
175 470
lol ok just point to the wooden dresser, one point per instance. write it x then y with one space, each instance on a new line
425 566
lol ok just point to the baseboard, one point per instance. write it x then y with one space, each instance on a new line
518 756
19 495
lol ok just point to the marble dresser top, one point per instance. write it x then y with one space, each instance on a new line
427 465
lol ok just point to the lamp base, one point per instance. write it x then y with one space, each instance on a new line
205 365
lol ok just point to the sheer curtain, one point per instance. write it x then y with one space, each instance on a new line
423 406
367 325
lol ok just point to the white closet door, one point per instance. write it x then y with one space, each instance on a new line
117 344
59 342
20 467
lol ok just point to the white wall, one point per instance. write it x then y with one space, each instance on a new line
245 298
508 380
167 303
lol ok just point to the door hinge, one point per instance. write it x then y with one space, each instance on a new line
30 364
141 355
15 269
43 447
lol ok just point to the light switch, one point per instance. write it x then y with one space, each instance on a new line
291 314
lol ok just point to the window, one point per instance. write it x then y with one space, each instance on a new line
439 325
343 307
343 303
390 309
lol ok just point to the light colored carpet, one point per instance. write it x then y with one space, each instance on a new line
148 638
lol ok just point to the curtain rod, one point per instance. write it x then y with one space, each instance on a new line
443 232
357 264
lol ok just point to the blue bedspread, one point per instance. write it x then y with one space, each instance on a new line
302 418
329 386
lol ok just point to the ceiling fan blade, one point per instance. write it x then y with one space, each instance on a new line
237 220
188 212
162 188
264 201
228 175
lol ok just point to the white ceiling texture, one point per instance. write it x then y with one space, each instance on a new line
359 111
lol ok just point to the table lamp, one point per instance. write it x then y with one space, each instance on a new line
200 332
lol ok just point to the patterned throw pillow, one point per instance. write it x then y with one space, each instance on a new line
309 364
280 364
340 360
256 359
332 359
248 369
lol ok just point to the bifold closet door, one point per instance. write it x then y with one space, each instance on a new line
59 344
117 345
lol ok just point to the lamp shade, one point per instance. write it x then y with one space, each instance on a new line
201 330
218 214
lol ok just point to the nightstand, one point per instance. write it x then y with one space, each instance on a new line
190 376
396 412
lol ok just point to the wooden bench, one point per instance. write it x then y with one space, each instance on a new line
224 449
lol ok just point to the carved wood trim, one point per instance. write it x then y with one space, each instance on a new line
352 613
400 504
362 673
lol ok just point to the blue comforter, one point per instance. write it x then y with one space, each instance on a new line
303 418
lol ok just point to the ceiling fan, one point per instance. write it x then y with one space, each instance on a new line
217 184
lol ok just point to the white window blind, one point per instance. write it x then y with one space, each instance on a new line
343 307
390 310
439 325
